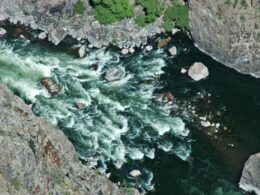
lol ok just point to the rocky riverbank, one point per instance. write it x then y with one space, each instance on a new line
229 31
36 157
56 20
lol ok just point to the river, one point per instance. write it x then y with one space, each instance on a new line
123 127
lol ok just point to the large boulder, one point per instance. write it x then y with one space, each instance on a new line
250 179
198 71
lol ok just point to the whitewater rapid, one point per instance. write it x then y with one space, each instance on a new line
121 122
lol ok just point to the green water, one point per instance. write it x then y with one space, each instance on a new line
123 125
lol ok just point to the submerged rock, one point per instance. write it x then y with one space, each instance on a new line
198 71
166 97
173 51
114 74
51 85
2 31
135 173
37 158
250 179
80 105
164 42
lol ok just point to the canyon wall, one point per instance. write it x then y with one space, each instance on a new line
37 158
229 31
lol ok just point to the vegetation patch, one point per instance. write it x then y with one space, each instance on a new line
177 13
16 183
152 8
79 7
109 11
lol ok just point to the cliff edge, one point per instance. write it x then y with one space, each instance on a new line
228 30
37 158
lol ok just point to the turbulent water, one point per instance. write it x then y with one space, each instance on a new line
121 120
122 126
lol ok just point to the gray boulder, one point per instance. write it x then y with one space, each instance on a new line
250 179
173 51
82 51
42 35
57 35
114 74
198 71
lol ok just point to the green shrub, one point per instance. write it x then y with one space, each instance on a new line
108 11
79 7
244 3
16 183
152 8
177 13
140 21
168 25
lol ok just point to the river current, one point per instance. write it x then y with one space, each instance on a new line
123 127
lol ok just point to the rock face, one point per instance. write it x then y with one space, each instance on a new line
228 30
57 19
198 71
37 158
250 179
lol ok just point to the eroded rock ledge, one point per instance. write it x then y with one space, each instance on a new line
228 30
37 158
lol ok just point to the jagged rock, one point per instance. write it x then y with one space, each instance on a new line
198 71
250 179
124 51
2 31
173 51
148 48
51 85
82 51
37 158
114 74
42 35
135 173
